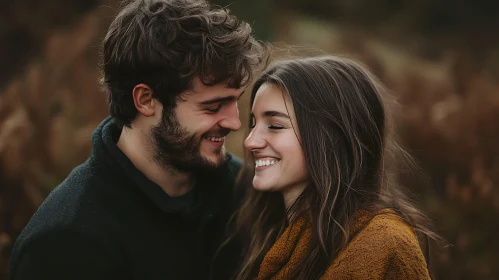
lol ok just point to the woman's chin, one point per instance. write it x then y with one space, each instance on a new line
261 186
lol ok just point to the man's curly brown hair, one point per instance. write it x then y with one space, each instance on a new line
166 43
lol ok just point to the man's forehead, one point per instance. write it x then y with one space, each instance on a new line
199 90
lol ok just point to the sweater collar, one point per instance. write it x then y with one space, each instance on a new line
104 149
292 245
289 249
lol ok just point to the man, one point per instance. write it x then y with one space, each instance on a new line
153 199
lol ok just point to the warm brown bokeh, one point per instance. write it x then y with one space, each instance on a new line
447 85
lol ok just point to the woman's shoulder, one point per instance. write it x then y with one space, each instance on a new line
387 223
382 243
385 232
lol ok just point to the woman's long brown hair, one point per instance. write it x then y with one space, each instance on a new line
351 156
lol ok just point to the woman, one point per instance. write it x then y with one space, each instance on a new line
324 202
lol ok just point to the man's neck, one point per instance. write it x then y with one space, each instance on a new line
138 150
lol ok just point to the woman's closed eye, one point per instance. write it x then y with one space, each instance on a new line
276 126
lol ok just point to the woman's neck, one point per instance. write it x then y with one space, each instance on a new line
290 201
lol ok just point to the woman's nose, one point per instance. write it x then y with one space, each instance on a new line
254 141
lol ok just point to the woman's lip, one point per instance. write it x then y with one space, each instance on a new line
262 167
266 157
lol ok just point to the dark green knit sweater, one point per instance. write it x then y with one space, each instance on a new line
108 221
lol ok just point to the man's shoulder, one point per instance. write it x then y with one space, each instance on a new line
68 205
70 214
74 191
62 253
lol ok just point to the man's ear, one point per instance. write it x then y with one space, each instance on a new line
143 100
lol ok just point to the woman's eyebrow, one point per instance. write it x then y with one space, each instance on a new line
275 114
272 114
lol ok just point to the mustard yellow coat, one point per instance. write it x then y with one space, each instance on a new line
385 247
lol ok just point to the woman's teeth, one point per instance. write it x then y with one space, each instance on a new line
215 139
265 162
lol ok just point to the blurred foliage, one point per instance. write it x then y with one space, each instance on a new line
439 58
25 25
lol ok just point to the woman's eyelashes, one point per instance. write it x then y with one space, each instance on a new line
272 126
276 126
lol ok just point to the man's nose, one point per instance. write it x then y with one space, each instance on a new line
231 118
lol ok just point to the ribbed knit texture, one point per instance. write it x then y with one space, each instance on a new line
385 247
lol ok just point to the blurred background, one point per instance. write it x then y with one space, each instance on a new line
440 58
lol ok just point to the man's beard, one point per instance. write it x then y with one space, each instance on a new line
175 148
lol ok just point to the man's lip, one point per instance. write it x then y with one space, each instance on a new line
215 136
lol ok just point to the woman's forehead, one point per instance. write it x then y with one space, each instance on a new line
270 95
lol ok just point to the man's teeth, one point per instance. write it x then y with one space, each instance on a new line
265 162
215 139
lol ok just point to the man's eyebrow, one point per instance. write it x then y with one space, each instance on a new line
220 99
